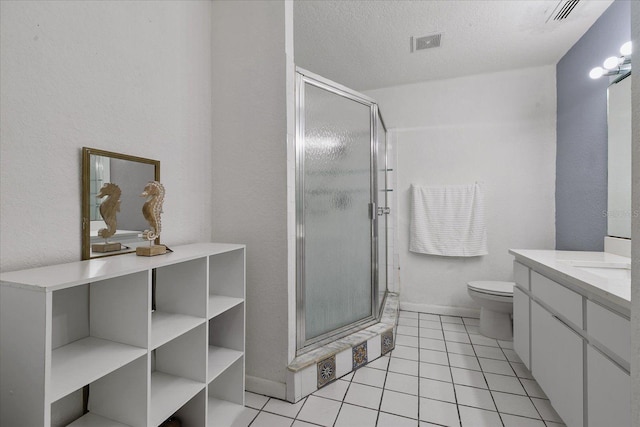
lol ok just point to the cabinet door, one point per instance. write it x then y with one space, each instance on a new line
521 275
608 391
557 364
521 325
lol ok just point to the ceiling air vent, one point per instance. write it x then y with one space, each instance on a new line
425 42
562 10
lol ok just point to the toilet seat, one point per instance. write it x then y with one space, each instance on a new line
492 287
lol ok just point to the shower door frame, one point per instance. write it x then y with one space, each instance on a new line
306 77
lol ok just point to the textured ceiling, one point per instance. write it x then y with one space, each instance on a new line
365 44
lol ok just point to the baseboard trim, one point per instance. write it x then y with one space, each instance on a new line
440 309
267 387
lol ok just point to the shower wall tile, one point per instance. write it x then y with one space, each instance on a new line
387 342
294 386
326 370
359 355
308 380
373 348
343 363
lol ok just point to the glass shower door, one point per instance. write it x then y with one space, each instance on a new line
335 225
383 206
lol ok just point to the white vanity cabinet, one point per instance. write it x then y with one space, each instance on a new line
521 325
608 392
576 344
557 363
150 337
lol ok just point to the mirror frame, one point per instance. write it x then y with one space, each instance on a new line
86 171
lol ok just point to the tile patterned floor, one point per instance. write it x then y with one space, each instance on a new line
442 372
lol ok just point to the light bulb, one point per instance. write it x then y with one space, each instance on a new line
626 49
610 63
596 73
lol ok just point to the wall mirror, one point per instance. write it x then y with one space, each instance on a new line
130 174
619 212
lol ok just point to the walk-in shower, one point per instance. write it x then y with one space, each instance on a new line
341 207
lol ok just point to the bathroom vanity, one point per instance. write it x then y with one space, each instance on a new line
572 330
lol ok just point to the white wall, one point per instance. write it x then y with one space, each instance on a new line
130 77
635 227
498 129
250 173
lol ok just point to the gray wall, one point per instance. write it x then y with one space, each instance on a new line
581 160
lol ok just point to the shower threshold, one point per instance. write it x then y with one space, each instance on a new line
314 369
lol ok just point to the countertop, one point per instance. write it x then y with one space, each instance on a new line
614 293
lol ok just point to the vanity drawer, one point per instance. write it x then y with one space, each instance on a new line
564 301
521 275
610 329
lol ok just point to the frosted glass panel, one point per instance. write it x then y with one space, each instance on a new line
337 227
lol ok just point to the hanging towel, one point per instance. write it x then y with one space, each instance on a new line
448 220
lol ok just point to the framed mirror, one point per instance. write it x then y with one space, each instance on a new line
619 211
130 174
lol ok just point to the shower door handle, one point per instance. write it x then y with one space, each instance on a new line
384 211
373 210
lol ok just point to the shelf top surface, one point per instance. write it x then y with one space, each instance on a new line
62 276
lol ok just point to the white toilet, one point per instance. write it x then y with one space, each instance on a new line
496 306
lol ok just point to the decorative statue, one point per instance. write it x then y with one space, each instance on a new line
108 209
152 209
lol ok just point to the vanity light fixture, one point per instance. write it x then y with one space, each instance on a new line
626 49
615 65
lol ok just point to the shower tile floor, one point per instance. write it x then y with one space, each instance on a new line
442 372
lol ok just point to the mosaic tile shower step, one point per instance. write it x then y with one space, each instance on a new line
337 359
326 371
359 355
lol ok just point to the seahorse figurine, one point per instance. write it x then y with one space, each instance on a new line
152 208
108 208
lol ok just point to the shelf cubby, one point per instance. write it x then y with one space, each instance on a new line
227 329
180 296
119 309
84 361
168 394
122 395
168 326
182 288
97 328
222 412
93 420
178 373
226 281
92 327
226 395
218 304
220 359
194 412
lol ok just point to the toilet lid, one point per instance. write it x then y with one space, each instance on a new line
493 287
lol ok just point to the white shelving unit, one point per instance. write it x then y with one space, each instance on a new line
91 323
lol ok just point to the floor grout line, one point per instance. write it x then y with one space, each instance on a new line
447 343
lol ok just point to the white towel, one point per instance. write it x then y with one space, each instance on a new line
448 220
